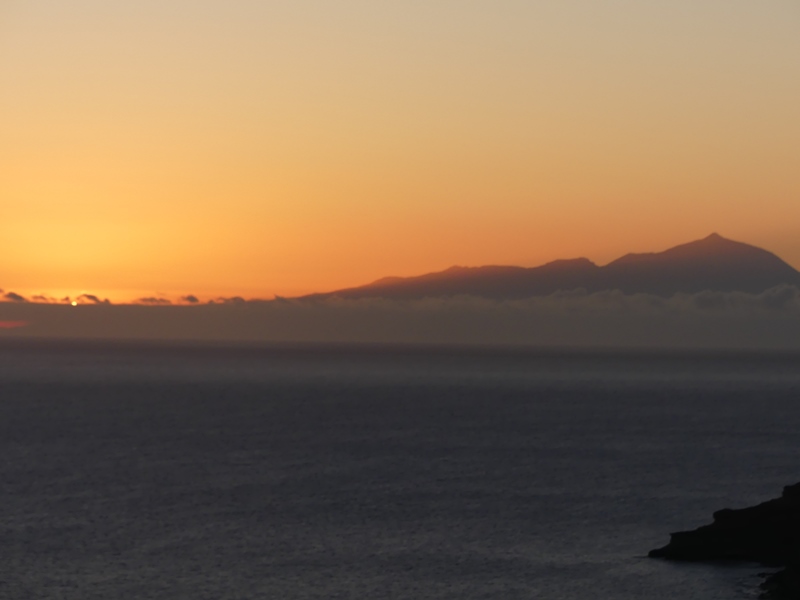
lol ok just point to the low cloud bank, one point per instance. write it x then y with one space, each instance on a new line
14 297
575 318
153 301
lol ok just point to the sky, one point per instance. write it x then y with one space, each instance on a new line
251 148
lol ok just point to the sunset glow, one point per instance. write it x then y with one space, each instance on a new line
158 149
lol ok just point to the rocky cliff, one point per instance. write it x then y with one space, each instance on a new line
768 533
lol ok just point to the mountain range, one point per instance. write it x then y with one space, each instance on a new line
713 263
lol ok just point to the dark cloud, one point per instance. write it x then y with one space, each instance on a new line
153 301
231 300
12 297
190 299
92 299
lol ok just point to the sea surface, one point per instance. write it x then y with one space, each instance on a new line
137 471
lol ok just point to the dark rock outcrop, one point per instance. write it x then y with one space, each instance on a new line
785 584
768 533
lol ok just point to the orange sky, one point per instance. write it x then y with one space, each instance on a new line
259 148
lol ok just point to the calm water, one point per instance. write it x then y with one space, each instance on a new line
334 472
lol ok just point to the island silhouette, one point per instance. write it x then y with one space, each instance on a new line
711 293
713 263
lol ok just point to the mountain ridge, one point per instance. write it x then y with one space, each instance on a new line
713 263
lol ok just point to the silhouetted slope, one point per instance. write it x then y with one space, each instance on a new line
713 263
488 282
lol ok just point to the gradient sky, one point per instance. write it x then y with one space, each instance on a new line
273 147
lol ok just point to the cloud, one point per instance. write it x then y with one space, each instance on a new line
230 300
564 318
92 299
575 318
12 297
784 298
190 299
153 301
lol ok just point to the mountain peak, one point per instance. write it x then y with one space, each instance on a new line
711 247
712 263
716 240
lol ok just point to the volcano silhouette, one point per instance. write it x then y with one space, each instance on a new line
713 263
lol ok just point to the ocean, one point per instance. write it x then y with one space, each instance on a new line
137 470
